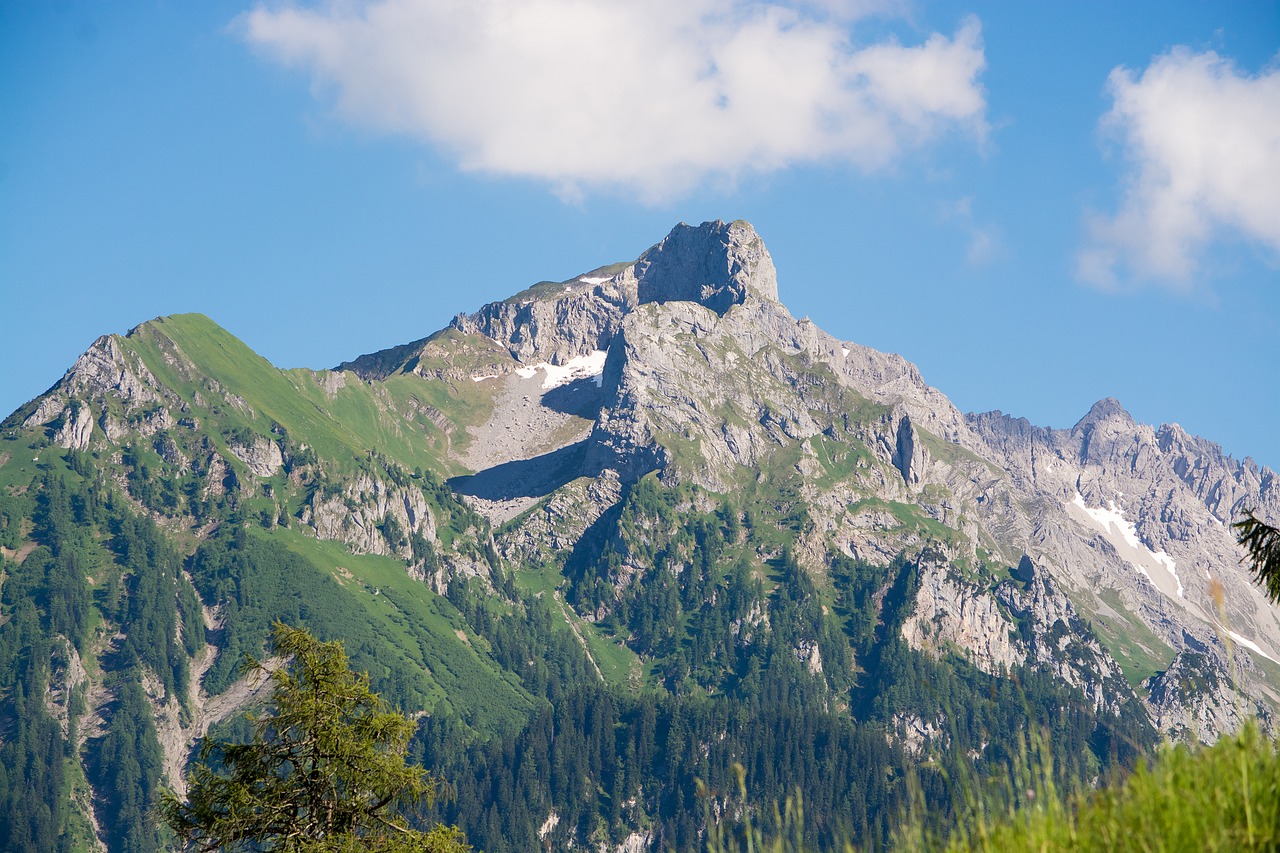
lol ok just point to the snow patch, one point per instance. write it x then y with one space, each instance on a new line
1122 533
578 367
844 351
486 376
591 279
1251 646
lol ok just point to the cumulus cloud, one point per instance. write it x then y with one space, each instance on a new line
652 97
1202 139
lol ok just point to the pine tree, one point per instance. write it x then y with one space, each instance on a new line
324 771
1262 542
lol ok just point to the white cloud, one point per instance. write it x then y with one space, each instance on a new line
1203 141
651 97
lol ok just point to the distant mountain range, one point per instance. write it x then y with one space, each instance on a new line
611 534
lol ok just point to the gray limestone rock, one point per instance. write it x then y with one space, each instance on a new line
951 613
714 264
262 456
1193 701
106 369
77 428
365 512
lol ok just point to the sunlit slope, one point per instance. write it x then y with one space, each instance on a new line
338 415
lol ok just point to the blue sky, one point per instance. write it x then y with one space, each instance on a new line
1040 204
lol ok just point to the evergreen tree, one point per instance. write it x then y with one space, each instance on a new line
324 771
1262 542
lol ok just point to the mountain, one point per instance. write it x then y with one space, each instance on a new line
609 536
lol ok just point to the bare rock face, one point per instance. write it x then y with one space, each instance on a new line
1142 515
1223 485
1060 642
916 733
105 368
218 474
953 613
949 613
77 429
909 454
1192 701
67 676
556 526
262 456
576 321
713 264
48 409
104 371
371 516
682 376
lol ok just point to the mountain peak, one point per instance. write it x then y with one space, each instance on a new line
715 264
1107 408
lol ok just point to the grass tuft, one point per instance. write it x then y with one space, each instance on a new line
1224 797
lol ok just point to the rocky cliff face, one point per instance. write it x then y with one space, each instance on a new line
714 264
708 380
1143 520
681 269
370 515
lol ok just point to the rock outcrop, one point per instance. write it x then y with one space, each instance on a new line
261 455
952 614
1193 701
714 264
371 516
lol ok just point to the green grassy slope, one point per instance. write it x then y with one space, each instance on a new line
340 420
411 633
421 631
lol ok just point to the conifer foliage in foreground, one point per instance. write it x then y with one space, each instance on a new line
324 771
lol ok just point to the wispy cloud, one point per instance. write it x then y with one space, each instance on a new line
650 97
985 245
1203 143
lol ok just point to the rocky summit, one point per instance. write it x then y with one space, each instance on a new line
708 380
647 493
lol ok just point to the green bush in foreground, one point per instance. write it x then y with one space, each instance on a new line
1224 797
